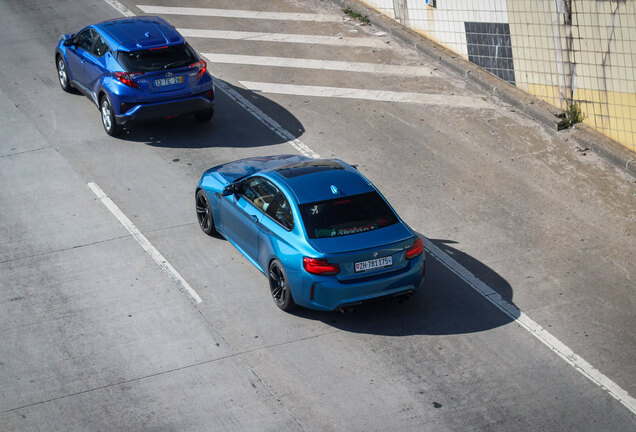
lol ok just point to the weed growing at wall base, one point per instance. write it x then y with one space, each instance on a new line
356 15
571 116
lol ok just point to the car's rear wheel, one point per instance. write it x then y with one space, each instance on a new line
204 116
108 117
279 287
62 74
204 213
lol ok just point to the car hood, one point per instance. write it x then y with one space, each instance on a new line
233 170
366 240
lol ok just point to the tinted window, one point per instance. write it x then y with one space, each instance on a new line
157 59
100 47
269 199
349 215
84 40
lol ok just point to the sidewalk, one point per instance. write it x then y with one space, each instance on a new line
546 114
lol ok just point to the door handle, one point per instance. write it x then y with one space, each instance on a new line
254 218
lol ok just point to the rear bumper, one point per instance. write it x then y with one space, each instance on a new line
330 294
151 111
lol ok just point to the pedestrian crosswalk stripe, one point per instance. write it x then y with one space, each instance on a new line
284 37
235 13
320 64
373 95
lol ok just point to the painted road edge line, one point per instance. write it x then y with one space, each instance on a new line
559 348
173 274
269 122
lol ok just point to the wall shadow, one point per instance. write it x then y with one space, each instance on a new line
447 304
232 125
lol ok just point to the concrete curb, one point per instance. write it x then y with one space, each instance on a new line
539 110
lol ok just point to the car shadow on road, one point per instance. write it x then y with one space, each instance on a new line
232 125
447 304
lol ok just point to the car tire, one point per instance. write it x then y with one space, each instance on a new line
108 117
279 286
204 213
204 116
62 74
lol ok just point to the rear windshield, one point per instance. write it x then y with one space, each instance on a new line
349 215
157 59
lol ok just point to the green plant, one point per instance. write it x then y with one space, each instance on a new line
356 15
571 116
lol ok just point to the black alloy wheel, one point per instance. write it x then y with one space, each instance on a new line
204 213
279 287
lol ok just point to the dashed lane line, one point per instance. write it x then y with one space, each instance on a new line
332 65
163 263
372 95
234 13
283 37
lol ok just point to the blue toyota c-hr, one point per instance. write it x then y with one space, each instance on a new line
135 69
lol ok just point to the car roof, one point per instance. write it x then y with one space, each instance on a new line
320 180
139 33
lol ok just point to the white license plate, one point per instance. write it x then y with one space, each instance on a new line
168 81
373 264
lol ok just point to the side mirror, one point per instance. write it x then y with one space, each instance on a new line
68 42
230 189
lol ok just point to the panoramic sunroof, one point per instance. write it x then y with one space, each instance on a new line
308 167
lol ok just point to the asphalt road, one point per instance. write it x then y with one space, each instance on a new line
96 336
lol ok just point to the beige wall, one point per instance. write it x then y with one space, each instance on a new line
587 56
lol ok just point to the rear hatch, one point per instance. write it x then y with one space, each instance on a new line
164 72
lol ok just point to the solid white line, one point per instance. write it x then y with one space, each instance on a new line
559 348
269 122
145 244
283 37
305 63
120 7
234 13
373 95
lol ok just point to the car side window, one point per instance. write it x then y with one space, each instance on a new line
84 40
270 200
100 47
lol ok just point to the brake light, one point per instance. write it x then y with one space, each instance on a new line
415 250
127 78
201 65
320 266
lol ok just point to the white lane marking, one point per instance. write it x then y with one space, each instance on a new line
283 37
373 95
145 244
558 347
269 122
120 7
305 63
235 13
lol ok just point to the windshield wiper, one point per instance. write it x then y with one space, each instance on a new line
176 64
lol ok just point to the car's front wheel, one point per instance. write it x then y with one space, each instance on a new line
204 213
108 117
279 286
62 74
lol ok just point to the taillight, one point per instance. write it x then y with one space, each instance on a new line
415 250
320 266
201 65
127 78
